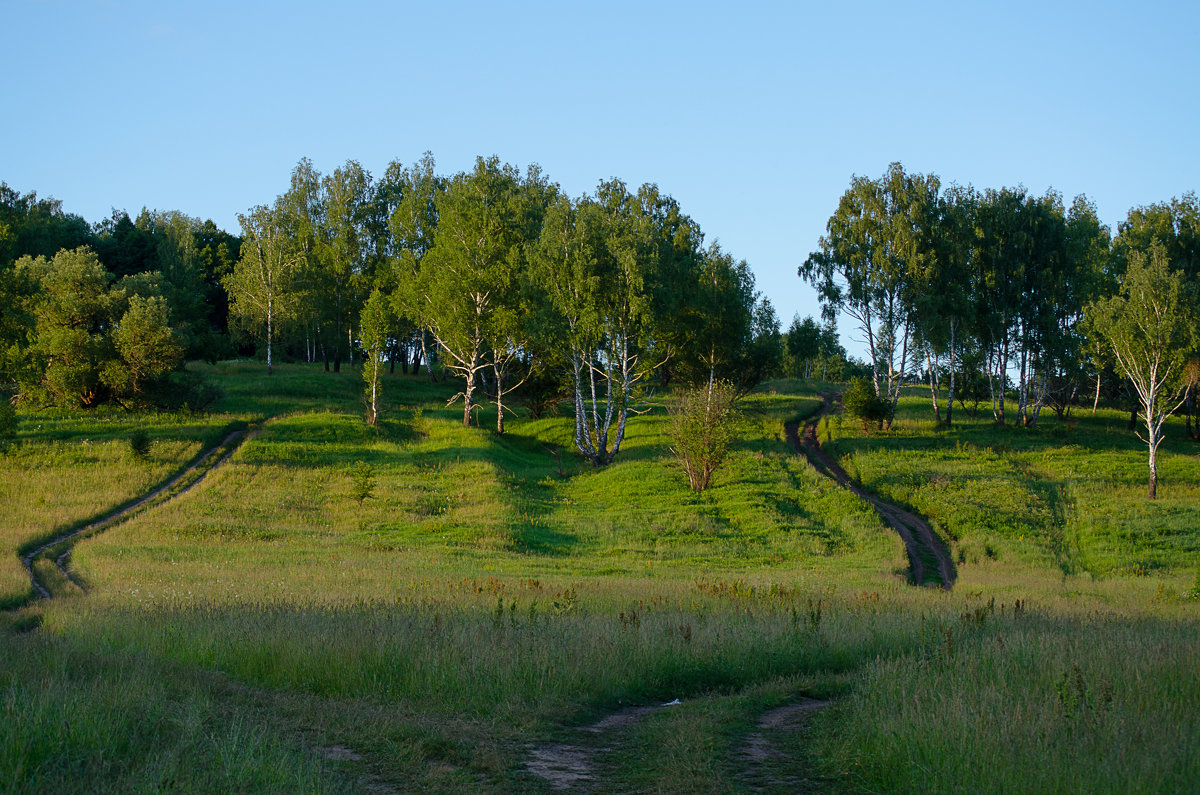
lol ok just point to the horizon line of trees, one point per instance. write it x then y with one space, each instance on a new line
505 282
499 278
492 275
997 292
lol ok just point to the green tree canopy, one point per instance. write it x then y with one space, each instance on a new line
1150 328
90 342
261 286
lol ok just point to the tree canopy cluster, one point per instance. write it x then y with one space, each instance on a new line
990 286
999 292
108 312
492 275
503 280
499 278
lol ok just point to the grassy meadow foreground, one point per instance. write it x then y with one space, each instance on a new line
266 632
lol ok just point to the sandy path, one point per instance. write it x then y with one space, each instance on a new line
759 749
572 766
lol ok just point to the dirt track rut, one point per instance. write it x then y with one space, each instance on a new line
928 555
62 560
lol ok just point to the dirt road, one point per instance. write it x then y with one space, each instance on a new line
928 555
180 484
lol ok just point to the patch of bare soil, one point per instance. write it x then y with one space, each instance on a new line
759 749
925 549
563 766
338 753
567 766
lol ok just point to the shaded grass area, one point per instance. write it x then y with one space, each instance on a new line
444 690
78 717
1042 702
448 688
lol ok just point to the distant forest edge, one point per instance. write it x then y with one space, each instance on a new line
499 278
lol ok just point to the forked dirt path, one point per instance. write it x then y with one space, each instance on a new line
579 766
928 556
167 492
576 766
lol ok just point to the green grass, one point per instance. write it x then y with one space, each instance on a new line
1041 702
1069 494
78 719
496 592
70 468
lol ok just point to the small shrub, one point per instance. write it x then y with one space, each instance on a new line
139 443
861 402
419 424
701 430
362 482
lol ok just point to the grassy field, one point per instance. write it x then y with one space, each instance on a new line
70 468
266 632
1067 493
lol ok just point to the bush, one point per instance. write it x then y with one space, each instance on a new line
8 423
861 402
702 426
139 443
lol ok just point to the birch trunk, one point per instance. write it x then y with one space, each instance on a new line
499 399
270 330
937 415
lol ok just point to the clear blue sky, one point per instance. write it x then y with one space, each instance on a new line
754 116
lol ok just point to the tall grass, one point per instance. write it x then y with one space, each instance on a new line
496 591
1030 702
77 718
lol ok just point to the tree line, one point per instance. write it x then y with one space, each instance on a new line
1000 295
493 276
108 312
506 282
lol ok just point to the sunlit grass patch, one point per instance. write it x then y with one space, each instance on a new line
50 484
1065 494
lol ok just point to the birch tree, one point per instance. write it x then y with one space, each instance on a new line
343 246
599 263
944 292
376 323
718 317
301 211
412 222
469 274
874 247
260 285
1150 329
